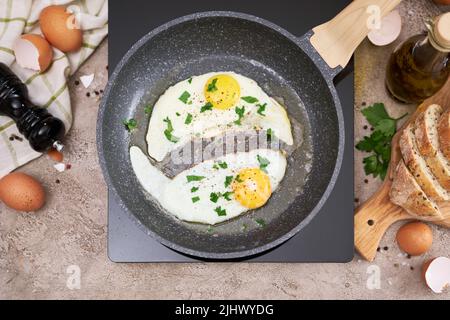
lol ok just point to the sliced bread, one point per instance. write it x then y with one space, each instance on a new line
419 168
444 133
407 193
427 139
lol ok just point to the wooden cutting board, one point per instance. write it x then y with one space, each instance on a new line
374 217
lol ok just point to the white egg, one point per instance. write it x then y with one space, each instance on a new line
189 195
182 112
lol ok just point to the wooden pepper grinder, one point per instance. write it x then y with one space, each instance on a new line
42 130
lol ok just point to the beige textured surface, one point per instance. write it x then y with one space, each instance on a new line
36 249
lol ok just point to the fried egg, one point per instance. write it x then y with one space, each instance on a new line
215 190
210 105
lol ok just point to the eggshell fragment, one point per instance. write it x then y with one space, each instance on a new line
391 26
415 238
60 28
33 52
60 167
87 80
436 273
22 192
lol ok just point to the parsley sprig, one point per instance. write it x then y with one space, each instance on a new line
194 178
148 109
215 196
240 112
207 107
378 144
263 163
184 97
261 109
220 212
130 124
220 164
250 99
212 86
169 130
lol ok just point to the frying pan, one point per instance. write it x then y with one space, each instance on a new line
298 70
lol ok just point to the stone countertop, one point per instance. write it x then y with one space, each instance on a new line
38 250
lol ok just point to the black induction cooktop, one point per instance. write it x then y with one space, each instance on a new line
329 236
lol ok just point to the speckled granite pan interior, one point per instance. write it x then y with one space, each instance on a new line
223 41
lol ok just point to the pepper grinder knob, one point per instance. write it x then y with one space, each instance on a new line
42 130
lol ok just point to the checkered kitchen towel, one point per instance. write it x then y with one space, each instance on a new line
49 89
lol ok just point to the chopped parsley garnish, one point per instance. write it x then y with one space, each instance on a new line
228 180
214 197
220 164
249 99
195 199
212 86
148 109
379 142
130 124
169 130
184 97
261 109
178 114
194 189
194 178
220 212
188 119
238 179
261 222
206 107
190 80
269 133
240 112
227 195
263 163
223 165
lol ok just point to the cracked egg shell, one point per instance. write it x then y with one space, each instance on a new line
33 52
436 273
391 26
60 28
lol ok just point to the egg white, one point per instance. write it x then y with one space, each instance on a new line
214 122
175 195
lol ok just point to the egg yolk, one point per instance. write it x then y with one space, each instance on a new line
251 188
222 91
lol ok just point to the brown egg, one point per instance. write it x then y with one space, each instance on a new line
415 238
60 28
21 192
32 51
443 2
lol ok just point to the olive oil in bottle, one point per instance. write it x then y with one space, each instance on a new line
420 66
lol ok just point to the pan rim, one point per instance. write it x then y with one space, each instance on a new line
182 249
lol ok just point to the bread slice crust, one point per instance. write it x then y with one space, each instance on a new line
419 168
444 133
406 192
427 140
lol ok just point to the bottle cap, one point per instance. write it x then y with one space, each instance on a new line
442 30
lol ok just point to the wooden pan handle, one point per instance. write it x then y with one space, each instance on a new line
337 39
373 218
